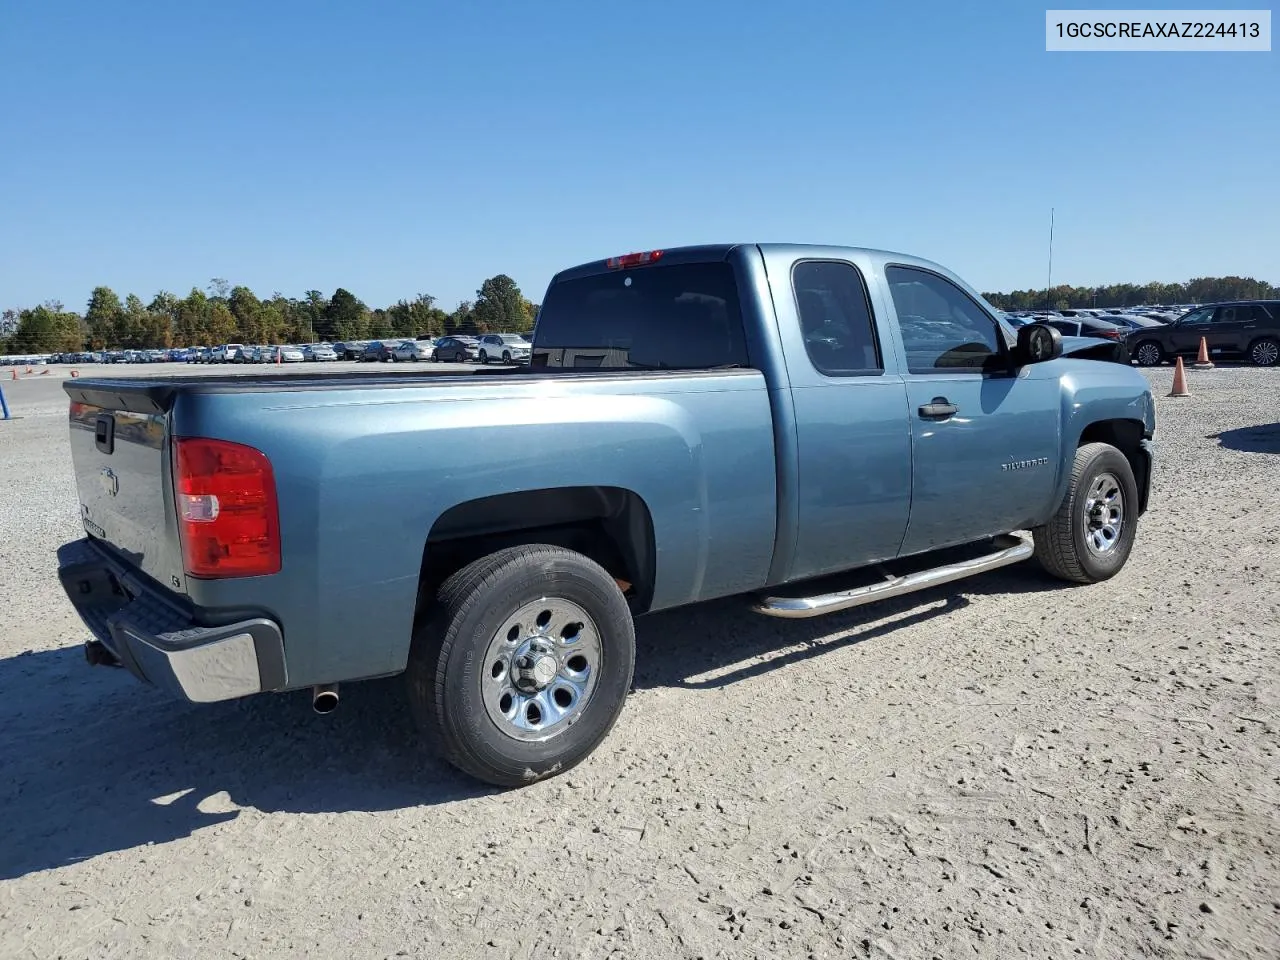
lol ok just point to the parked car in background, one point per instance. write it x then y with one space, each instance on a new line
1243 329
506 347
378 350
412 350
226 353
1088 326
292 354
1130 321
319 352
456 349
350 349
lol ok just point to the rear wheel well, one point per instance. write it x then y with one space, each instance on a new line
1125 436
610 525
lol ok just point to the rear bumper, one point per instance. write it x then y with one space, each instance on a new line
162 644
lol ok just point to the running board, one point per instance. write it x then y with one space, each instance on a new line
1011 548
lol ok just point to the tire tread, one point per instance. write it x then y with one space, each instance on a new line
1055 541
434 641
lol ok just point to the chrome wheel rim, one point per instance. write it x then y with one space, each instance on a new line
1265 353
1104 514
1148 355
540 669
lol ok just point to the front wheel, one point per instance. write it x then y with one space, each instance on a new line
523 665
1265 352
1092 534
1149 354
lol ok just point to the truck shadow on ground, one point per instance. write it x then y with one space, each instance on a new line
1263 438
96 763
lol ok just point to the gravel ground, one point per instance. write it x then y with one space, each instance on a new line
1002 767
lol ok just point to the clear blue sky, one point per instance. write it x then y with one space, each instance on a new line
404 147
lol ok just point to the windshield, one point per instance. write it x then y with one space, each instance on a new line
672 316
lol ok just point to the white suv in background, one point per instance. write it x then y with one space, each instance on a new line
227 353
506 347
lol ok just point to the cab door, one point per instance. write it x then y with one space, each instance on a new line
1184 337
852 435
985 437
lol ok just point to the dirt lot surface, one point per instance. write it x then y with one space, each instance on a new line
1003 767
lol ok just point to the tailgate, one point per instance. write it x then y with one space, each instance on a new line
120 454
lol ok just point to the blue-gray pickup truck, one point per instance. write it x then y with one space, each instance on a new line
811 428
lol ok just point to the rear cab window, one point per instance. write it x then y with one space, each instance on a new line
835 318
674 316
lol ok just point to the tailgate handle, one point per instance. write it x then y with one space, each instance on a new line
104 433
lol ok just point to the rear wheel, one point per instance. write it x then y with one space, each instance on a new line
1265 352
523 665
1149 354
1091 536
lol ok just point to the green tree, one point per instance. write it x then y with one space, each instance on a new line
191 320
246 308
105 317
462 320
500 306
45 330
345 318
222 324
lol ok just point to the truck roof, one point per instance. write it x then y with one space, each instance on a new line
693 253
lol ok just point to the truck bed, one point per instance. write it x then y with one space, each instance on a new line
156 394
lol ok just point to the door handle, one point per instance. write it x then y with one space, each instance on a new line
939 409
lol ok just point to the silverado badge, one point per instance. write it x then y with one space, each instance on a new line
1024 464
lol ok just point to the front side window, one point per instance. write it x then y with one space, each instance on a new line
942 327
835 318
1197 317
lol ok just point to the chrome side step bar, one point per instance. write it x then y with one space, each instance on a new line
1013 548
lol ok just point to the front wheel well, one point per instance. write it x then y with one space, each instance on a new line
1125 436
610 525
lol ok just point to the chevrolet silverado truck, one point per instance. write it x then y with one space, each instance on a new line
810 428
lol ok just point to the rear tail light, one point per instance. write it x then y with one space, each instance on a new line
1111 334
228 517
633 259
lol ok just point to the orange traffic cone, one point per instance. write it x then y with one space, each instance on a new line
1202 359
1179 381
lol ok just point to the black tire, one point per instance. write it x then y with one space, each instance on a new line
459 358
506 356
1062 547
1264 352
1148 353
448 666
484 357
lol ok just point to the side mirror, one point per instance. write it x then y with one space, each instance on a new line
1038 343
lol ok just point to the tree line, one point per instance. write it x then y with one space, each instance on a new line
223 313
226 314
1200 290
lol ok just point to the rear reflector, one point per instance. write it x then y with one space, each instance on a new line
228 518
633 259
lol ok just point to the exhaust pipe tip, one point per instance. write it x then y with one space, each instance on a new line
324 698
